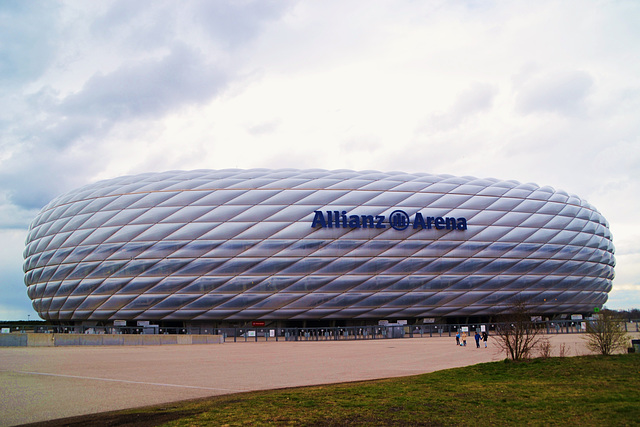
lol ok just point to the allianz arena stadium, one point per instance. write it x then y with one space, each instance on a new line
287 247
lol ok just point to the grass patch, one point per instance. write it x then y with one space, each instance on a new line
588 390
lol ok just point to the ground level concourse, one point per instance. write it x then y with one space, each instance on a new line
40 384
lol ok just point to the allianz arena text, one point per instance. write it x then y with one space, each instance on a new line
228 247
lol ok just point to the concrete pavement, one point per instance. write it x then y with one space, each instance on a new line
38 384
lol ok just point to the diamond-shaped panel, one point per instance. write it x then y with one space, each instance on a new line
238 244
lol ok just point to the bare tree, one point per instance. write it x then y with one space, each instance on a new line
517 335
605 333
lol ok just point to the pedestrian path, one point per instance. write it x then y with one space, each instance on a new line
39 384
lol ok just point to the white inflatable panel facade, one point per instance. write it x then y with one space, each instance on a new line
232 245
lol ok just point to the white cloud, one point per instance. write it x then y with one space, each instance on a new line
624 297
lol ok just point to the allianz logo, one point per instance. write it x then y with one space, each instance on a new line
398 220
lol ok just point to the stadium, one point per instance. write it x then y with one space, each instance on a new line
313 247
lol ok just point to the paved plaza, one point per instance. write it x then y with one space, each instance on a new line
44 383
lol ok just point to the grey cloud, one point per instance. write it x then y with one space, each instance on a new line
564 93
14 303
229 24
264 128
233 23
34 176
148 88
29 195
49 151
15 217
360 145
474 100
138 24
479 97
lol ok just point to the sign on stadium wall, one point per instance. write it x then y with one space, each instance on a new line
398 220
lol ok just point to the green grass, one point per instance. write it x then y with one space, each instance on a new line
590 390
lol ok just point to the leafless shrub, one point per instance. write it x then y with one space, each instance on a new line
517 335
605 334
544 347
564 352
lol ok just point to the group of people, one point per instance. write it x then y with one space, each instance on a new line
461 339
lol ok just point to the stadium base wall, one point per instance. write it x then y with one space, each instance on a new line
61 340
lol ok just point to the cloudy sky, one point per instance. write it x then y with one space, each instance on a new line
545 92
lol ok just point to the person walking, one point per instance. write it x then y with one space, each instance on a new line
458 338
484 338
477 337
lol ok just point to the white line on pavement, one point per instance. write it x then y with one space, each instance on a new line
123 381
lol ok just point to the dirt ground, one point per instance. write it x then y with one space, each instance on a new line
55 383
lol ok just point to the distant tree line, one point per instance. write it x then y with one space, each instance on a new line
633 313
